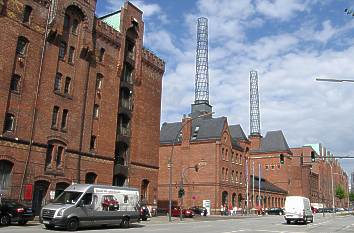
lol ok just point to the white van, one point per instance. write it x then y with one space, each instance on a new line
88 205
298 208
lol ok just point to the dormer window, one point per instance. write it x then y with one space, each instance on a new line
195 134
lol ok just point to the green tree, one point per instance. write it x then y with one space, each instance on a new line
340 192
351 196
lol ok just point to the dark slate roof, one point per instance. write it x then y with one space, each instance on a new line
209 128
274 141
237 132
169 131
266 185
236 145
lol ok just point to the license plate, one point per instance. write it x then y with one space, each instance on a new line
45 222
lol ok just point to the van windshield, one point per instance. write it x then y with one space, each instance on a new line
67 197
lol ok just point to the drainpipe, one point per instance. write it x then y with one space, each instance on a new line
35 111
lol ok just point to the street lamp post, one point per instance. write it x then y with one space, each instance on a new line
196 167
332 187
169 165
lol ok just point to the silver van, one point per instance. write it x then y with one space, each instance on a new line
90 205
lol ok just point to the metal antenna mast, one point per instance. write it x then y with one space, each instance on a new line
255 128
202 73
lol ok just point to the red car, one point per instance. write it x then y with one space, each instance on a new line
187 213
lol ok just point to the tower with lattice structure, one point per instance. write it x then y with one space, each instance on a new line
201 102
255 128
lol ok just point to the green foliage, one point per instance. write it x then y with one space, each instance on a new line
351 196
340 192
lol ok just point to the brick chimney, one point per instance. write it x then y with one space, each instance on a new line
186 131
255 141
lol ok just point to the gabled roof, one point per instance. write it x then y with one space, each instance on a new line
274 141
209 128
236 131
266 185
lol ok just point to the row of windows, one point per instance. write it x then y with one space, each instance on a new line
234 158
271 166
235 177
58 84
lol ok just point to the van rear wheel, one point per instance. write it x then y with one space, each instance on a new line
287 221
72 224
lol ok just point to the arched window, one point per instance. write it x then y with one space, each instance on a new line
21 45
66 22
5 174
90 178
15 83
144 189
9 122
224 197
102 51
75 26
26 14
99 80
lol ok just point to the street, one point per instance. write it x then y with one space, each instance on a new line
272 224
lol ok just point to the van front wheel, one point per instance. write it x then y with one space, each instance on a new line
125 222
72 224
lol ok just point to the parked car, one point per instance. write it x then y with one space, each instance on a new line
12 211
199 210
275 211
187 213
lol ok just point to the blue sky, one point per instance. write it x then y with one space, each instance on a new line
289 43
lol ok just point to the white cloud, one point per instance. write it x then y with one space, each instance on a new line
280 9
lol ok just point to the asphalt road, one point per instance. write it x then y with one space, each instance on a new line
264 224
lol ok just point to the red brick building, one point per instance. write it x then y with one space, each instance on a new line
80 99
223 180
314 179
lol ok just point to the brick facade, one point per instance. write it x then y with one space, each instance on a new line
71 66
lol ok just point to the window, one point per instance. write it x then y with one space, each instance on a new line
66 23
21 45
99 79
5 174
26 14
9 122
195 134
60 151
278 166
267 167
67 85
128 74
96 109
75 25
64 119
223 173
102 51
232 157
240 159
222 154
227 174
62 49
55 116
90 178
15 82
272 166
236 178
227 155
57 82
48 159
87 199
93 142
232 175
71 54
240 177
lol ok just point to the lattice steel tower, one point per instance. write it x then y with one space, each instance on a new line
201 101
255 128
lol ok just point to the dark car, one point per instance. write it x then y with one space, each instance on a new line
187 213
275 211
12 211
144 213
199 210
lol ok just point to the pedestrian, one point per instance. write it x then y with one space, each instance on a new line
222 210
205 212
